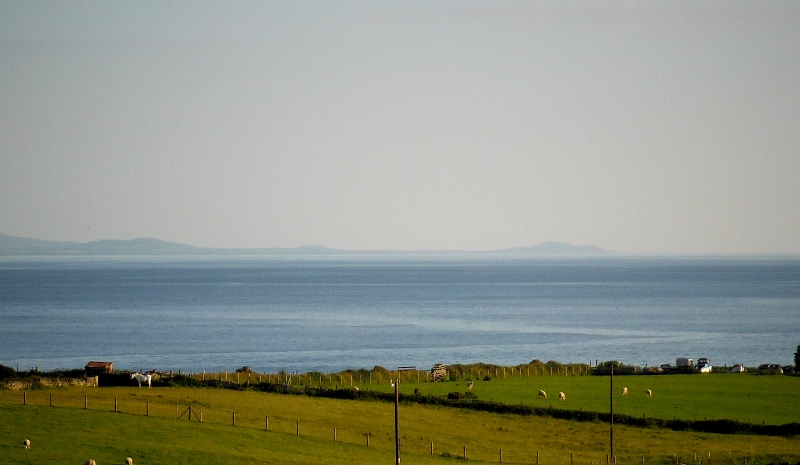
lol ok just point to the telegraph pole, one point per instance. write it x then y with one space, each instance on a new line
611 396
397 419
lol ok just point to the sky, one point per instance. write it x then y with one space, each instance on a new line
643 127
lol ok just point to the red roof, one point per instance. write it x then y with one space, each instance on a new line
99 364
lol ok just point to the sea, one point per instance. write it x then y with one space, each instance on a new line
330 313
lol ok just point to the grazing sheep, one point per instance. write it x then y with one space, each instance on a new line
90 462
128 461
562 396
543 394
470 384
27 443
624 391
648 392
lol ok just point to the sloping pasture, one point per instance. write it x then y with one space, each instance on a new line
743 397
67 433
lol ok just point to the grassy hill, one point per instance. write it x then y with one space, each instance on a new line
68 433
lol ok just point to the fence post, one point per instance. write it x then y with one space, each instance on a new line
298 428
571 460
501 455
431 448
115 404
147 409
334 434
537 457
465 452
24 398
85 402
233 418
367 439
51 399
266 426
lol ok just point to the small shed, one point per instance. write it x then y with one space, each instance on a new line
99 368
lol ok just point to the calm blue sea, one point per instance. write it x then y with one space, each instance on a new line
332 313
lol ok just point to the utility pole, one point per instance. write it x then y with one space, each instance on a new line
611 396
397 419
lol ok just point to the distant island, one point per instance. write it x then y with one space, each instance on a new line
23 246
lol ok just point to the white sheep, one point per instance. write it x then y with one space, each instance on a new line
27 443
562 396
543 394
648 392
128 461
624 391
90 462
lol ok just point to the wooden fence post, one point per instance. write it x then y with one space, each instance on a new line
266 426
51 399
233 418
85 402
148 409
24 398
298 428
501 455
334 434
115 404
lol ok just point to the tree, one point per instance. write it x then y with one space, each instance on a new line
797 359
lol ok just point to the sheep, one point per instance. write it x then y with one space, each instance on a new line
562 396
624 391
543 394
27 443
470 384
128 461
90 462
648 392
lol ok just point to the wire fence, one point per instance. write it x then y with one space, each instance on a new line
380 437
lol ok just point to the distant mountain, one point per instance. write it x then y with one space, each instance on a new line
558 248
12 245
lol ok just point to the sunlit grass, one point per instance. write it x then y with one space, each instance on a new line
66 433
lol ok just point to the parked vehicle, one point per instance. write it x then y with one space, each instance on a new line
684 362
704 365
738 368
770 368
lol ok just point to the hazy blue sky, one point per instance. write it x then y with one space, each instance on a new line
639 126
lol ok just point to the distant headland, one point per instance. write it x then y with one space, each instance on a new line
23 246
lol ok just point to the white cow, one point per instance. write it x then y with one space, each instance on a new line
140 378
562 396
128 461
648 392
624 391
543 394
90 462
27 443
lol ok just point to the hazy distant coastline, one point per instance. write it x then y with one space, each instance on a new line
23 246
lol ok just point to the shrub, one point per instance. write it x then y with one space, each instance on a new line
7 372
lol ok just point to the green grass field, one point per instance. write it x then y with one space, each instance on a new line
66 433
742 397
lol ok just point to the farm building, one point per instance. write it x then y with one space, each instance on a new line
99 368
